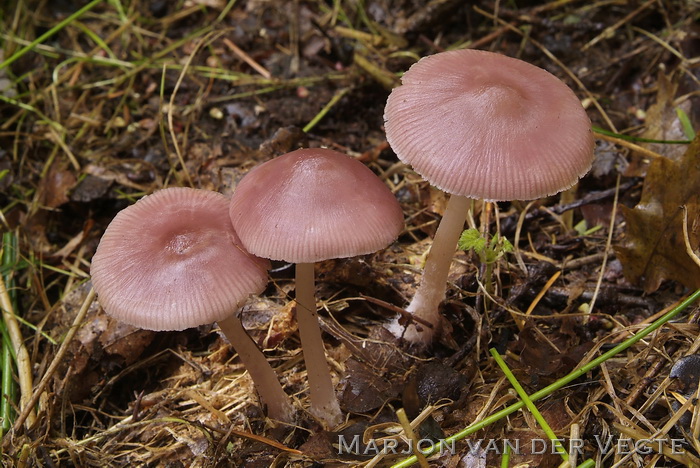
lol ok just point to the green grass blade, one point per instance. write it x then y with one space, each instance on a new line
687 125
639 139
505 458
7 383
62 24
548 390
322 113
530 405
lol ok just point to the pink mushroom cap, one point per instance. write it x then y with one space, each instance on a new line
173 261
314 204
482 125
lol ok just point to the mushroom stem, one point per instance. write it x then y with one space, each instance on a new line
266 382
431 291
324 403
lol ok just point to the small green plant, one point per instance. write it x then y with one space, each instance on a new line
583 230
488 251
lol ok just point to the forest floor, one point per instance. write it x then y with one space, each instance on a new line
129 97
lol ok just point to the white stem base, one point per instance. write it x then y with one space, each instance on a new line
431 291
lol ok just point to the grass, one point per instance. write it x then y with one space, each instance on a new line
530 405
51 32
8 385
560 383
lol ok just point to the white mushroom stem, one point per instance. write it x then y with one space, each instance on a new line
272 395
431 291
324 403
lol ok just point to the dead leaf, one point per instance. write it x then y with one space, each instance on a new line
125 341
91 188
662 120
686 372
317 446
537 349
684 375
285 139
54 188
268 322
654 249
431 383
363 390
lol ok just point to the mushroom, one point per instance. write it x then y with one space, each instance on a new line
307 206
173 261
481 125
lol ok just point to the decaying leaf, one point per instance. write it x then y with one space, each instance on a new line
537 349
662 122
654 249
363 389
54 188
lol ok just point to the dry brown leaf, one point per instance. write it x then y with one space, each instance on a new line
662 122
363 389
54 188
654 249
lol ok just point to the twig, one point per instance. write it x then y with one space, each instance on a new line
592 197
629 145
248 59
398 310
411 435
608 243
171 106
686 239
520 322
58 358
24 365
610 30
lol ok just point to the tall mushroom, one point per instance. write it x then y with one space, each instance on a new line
173 261
306 206
478 124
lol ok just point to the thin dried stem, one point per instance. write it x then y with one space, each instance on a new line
24 365
27 410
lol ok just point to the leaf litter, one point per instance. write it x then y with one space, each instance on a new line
135 96
654 249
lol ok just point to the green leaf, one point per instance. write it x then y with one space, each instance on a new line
471 240
506 246
685 123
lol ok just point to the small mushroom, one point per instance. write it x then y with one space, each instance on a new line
307 206
481 125
173 261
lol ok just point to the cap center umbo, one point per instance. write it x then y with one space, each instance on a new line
182 242
312 167
501 102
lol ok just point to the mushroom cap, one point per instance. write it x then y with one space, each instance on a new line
173 261
483 125
314 204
